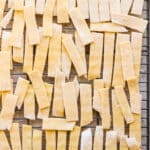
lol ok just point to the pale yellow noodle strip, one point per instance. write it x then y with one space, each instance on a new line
72 4
137 7
111 140
115 6
127 60
29 104
59 124
10 3
62 11
44 113
104 12
123 144
125 6
65 59
123 103
41 54
105 107
109 39
136 45
17 29
50 140
40 5
48 18
31 25
118 71
75 56
2 7
130 22
39 89
74 138
86 137
5 84
132 143
4 142
15 137
61 140
95 58
7 112
18 5
54 55
21 90
107 27
86 104
98 138
81 26
70 101
26 137
28 56
58 105
37 140
118 118
84 8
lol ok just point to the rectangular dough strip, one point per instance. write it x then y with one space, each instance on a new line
50 140
54 55
124 104
70 101
7 112
81 26
115 6
74 138
86 104
72 4
39 7
15 136
95 58
125 6
59 124
21 90
61 140
109 44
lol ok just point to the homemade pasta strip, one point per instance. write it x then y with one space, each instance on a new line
48 18
129 21
58 104
83 5
39 89
50 140
18 5
65 59
72 4
115 6
123 144
4 145
104 12
37 140
62 11
10 3
39 7
125 6
54 55
124 105
31 25
17 29
127 60
59 124
109 39
86 137
44 113
81 26
118 71
70 101
137 7
135 97
61 140
136 45
98 138
26 137
15 137
77 86
7 112
29 104
21 90
118 119
86 104
74 138
132 143
94 10
5 84
2 7
107 27
105 108
95 58
111 140
75 56
41 54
